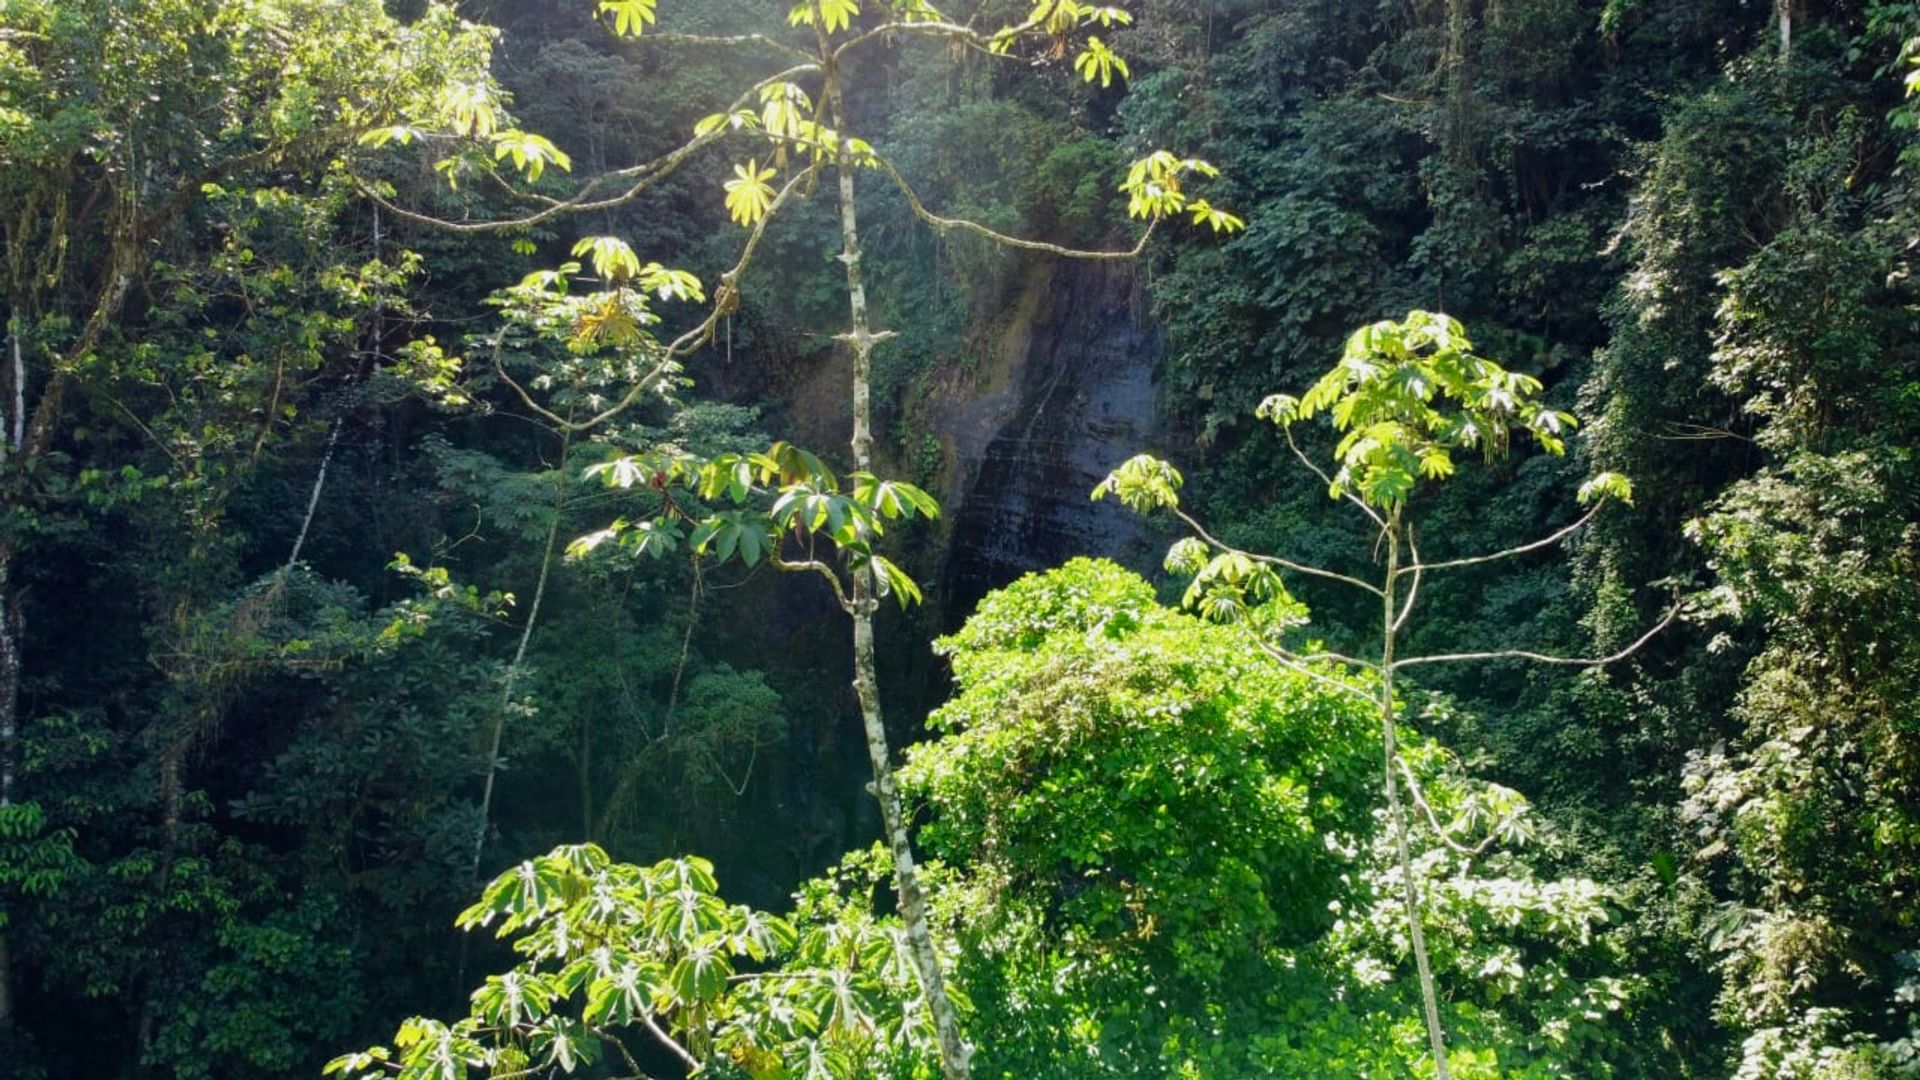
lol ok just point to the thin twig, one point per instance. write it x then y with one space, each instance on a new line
1294 664
943 224
1542 658
1274 560
1545 541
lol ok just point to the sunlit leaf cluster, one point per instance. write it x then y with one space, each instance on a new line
618 960
1408 394
1155 189
782 505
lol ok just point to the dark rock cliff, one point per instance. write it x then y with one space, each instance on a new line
1069 395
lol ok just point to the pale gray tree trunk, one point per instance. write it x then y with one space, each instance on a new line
954 1052
1397 814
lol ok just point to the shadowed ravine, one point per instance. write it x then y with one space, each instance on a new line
1075 397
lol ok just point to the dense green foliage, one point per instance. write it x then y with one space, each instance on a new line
1169 863
296 659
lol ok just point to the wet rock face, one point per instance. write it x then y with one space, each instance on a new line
1074 397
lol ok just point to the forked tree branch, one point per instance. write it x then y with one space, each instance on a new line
815 566
1543 658
964 33
1300 666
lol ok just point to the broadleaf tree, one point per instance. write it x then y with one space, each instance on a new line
1405 398
796 123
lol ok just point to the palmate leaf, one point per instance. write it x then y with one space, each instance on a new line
1607 485
893 499
565 1044
1144 483
821 1061
731 475
611 257
365 1063
784 109
470 109
1407 394
618 997
844 1000
685 914
655 538
522 894
1205 213
513 998
895 582
749 196
761 935
789 464
1097 60
531 153
749 536
630 17
835 15
737 120
701 975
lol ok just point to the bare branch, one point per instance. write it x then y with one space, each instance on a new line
1545 541
817 567
965 34
1420 800
1328 480
1273 560
669 1042
643 176
683 346
1542 658
1413 590
1295 664
944 224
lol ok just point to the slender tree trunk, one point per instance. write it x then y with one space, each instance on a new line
19 387
1397 814
1783 11
313 496
1460 142
586 777
520 652
30 438
954 1052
